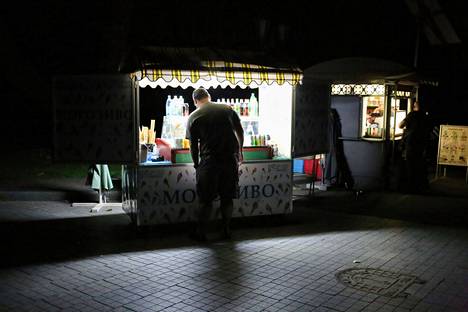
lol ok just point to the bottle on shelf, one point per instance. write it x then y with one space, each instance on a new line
253 140
246 110
253 105
168 105
181 106
249 134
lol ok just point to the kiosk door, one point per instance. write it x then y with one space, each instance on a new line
95 119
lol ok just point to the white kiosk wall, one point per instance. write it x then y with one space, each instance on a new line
275 115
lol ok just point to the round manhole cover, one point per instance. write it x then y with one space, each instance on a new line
384 283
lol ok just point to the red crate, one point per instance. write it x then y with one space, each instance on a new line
312 167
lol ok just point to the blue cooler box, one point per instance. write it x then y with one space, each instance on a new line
298 166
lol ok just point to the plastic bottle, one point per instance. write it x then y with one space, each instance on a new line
168 105
249 134
180 107
173 106
253 105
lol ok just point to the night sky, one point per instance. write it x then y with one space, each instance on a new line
43 39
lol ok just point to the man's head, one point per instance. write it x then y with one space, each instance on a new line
200 97
416 106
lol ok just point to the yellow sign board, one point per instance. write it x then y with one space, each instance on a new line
453 145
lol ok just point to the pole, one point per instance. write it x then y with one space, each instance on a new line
417 43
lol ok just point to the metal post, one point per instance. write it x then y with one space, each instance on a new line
314 175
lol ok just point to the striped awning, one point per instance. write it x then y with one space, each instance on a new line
219 74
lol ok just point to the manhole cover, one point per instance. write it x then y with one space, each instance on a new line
384 283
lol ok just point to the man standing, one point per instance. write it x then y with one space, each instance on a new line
216 138
415 140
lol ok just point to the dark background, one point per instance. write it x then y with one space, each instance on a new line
43 39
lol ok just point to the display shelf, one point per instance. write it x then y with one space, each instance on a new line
249 118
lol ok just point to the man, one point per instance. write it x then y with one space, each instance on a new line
216 137
415 139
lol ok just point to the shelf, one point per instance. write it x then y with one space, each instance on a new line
249 118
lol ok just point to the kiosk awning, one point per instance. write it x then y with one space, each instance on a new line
218 74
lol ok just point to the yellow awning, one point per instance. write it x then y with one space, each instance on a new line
220 73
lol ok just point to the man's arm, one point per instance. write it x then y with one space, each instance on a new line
402 124
194 150
193 137
239 131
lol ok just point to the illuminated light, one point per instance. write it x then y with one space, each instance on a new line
401 93
357 89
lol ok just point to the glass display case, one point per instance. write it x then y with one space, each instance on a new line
174 130
373 117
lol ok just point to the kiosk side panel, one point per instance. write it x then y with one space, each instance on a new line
94 119
129 191
311 118
349 111
167 194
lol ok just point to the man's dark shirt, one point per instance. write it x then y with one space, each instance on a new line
213 126
416 132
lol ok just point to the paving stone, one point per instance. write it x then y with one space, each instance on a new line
296 272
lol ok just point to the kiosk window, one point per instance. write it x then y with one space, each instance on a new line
373 119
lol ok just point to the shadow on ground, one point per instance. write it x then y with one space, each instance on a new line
65 239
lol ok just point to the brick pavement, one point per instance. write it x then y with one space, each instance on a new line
283 268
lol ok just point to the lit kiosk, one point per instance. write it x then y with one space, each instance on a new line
370 98
100 119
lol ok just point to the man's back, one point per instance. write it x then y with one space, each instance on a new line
416 128
213 125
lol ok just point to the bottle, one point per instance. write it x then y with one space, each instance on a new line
181 106
173 107
247 111
253 105
223 101
241 109
168 105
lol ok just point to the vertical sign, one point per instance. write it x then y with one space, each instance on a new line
94 119
311 115
453 145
